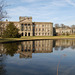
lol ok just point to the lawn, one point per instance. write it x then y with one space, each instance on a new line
36 38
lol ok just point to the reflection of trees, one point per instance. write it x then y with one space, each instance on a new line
62 44
73 47
11 48
57 48
2 65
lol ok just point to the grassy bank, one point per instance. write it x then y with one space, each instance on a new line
36 38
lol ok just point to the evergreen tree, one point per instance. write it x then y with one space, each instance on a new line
11 31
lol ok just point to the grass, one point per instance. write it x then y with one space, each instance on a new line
36 38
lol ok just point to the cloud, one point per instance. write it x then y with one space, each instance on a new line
71 2
57 11
29 1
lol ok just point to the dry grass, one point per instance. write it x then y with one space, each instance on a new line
36 38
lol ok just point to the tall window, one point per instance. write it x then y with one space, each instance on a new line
48 33
29 28
39 29
36 33
42 33
45 33
33 25
39 33
42 25
22 27
36 29
43 29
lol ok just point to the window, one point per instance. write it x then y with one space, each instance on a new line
22 27
36 25
48 33
33 25
36 33
45 33
39 33
25 24
26 28
36 29
39 29
43 29
42 25
28 24
42 33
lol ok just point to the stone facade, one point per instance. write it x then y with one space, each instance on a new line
66 30
28 28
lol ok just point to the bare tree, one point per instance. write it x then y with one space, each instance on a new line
57 26
3 14
73 26
62 25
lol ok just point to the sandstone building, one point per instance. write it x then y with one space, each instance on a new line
64 31
28 28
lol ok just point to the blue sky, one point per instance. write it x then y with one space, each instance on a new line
56 11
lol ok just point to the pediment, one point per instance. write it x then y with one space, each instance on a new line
25 20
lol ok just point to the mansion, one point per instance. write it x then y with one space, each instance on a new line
28 28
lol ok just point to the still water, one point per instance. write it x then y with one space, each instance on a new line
41 57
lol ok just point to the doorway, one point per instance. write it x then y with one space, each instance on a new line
28 34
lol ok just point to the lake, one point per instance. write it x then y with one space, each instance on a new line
39 57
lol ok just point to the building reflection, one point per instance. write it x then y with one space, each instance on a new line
44 46
26 48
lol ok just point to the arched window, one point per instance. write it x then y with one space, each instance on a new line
25 24
28 34
28 24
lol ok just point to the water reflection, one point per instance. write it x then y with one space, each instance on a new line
2 65
47 57
62 44
10 48
26 48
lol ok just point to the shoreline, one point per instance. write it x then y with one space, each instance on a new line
8 40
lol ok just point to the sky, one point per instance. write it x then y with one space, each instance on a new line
56 11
